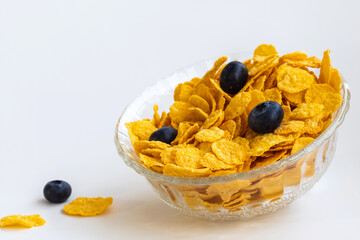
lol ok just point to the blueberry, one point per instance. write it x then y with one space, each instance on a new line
233 77
266 117
164 134
57 191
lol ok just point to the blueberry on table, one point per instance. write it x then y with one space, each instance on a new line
57 191
164 134
233 77
266 117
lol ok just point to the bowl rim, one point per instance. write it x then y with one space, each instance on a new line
337 121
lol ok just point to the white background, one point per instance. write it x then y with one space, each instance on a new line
68 68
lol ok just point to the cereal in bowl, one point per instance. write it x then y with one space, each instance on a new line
240 115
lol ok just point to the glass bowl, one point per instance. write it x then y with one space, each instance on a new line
234 196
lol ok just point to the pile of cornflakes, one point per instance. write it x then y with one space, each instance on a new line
213 134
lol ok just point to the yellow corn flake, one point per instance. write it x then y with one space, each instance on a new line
195 81
177 171
293 80
222 173
290 127
262 66
205 147
156 116
218 73
165 120
183 111
212 119
229 152
168 155
229 126
140 130
312 62
88 207
306 110
301 143
220 120
243 142
182 128
144 144
287 112
270 82
256 98
152 152
200 102
150 162
227 136
189 134
324 94
203 91
182 92
227 190
263 51
209 135
259 83
211 73
286 143
210 161
294 56
247 63
244 124
263 161
217 91
273 94
237 105
295 98
263 143
335 80
325 69
27 221
188 157
313 125
220 103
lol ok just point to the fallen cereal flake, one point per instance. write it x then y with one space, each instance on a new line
88 207
28 221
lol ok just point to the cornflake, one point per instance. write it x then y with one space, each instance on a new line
88 207
27 221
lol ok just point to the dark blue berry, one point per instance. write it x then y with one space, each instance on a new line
164 134
233 77
266 117
57 191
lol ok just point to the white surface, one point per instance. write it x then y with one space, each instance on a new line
68 68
